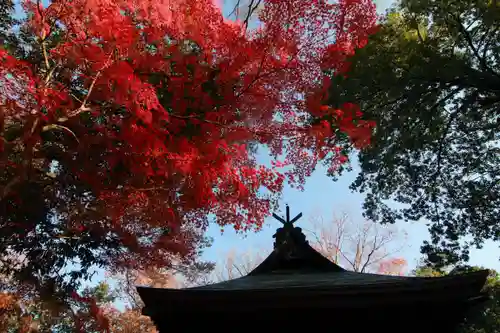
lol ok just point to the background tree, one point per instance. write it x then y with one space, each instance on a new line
130 319
430 79
245 11
26 309
6 20
93 311
236 263
487 317
23 311
357 246
124 124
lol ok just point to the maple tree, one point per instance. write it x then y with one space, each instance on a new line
125 125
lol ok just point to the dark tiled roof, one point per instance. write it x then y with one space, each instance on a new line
304 280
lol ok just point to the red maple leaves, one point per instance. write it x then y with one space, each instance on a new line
156 103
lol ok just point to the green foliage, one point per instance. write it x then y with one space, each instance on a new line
430 79
6 19
59 318
485 319
102 293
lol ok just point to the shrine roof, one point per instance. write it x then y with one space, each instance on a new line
304 280
295 267
295 264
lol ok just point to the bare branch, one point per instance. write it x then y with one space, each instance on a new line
235 264
359 246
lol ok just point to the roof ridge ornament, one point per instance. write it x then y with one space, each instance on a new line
287 221
289 238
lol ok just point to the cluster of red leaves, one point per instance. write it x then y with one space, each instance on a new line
130 321
11 314
18 308
175 94
8 307
94 314
394 266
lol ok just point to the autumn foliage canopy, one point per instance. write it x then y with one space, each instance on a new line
126 124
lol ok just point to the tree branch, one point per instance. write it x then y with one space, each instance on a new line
468 38
83 106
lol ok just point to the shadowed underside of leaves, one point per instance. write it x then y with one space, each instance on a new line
430 79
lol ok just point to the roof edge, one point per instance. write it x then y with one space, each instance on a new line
465 289
470 284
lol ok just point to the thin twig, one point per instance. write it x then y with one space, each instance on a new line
83 107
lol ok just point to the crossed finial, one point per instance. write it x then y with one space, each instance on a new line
289 238
287 222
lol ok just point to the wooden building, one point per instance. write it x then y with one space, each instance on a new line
295 288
